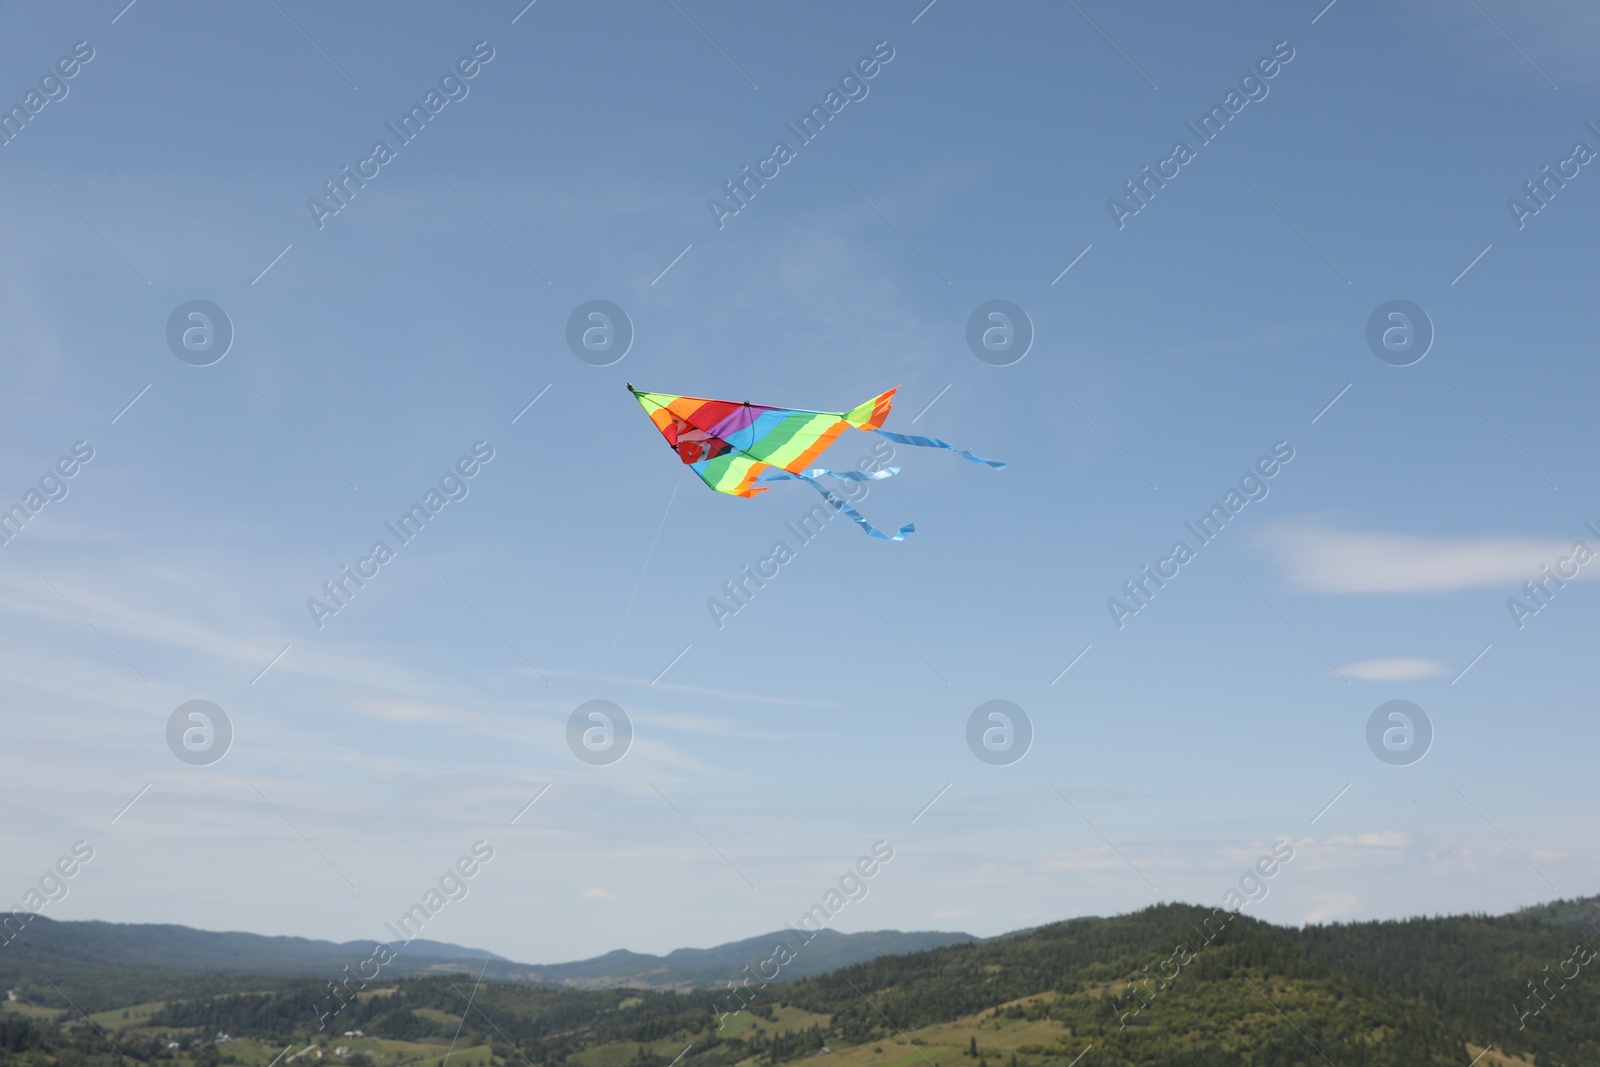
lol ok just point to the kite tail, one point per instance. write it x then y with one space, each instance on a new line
839 505
843 476
934 442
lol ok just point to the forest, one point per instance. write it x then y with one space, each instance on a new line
1169 986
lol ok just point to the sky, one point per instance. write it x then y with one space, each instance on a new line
1228 321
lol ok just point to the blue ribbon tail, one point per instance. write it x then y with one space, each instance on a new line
843 476
839 505
934 442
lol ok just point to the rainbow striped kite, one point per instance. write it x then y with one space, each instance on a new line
733 447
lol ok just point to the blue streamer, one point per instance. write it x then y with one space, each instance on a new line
839 505
843 476
934 442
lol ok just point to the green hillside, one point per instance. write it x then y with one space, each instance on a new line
184 950
1170 986
181 950
1582 914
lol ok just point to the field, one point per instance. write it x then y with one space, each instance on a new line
1017 1033
120 1026
1408 994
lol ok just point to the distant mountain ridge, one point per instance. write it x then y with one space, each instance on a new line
689 968
47 944
169 947
166 948
1172 985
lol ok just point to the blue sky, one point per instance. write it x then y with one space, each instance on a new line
373 352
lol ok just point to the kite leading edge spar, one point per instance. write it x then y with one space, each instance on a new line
734 447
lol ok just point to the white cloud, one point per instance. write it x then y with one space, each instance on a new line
1330 908
1378 839
1090 858
598 893
1393 670
400 709
1549 36
1322 559
952 913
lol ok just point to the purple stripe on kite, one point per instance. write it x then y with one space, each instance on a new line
741 418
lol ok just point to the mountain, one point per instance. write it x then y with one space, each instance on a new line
171 948
1172 985
181 949
1581 914
690 968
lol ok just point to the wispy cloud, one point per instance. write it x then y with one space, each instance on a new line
1393 670
1324 559
1373 839
1330 908
401 709
1521 45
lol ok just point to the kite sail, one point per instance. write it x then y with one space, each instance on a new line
734 446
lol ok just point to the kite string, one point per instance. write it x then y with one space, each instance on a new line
629 609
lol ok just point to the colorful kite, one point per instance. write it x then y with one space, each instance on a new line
733 447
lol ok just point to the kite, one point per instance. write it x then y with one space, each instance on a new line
734 447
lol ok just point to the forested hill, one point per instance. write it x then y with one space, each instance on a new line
1170 986
1476 971
167 949
1582 914
182 949
1404 992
